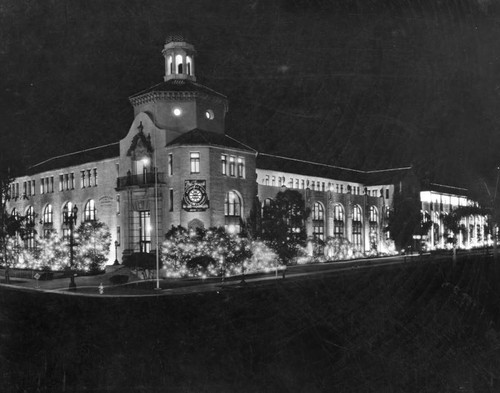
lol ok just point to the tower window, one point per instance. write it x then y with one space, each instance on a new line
195 162
179 63
144 230
231 166
241 167
170 164
223 161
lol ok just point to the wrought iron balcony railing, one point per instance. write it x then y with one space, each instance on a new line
145 179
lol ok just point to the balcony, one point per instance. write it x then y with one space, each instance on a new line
143 180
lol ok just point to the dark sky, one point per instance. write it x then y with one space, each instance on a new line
364 84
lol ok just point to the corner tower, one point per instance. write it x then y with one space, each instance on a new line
180 104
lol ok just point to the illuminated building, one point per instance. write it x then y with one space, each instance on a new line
176 166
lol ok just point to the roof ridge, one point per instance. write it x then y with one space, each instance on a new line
72 153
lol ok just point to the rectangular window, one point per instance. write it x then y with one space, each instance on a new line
82 181
61 182
145 231
95 177
170 164
72 181
89 179
387 193
66 181
171 200
118 204
195 162
52 184
223 162
33 191
241 167
273 181
118 235
42 186
231 166
296 183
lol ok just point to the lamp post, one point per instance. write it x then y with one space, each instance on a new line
116 252
69 218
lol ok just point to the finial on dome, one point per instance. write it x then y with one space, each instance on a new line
177 37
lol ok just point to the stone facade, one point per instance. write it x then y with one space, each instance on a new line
176 166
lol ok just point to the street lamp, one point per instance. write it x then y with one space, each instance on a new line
69 218
116 252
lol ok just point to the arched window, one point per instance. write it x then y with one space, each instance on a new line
338 221
373 223
65 225
373 214
179 64
356 227
89 211
170 69
188 65
318 221
232 212
48 216
48 220
30 232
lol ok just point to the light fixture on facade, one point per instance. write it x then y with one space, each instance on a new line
209 114
177 112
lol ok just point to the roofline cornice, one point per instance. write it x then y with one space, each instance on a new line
155 96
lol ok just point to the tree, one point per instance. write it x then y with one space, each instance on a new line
93 244
283 224
11 225
452 222
404 219
204 253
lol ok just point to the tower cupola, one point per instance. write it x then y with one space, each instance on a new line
179 58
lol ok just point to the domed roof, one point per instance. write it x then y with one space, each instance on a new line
176 37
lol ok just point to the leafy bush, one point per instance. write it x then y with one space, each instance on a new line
200 265
118 279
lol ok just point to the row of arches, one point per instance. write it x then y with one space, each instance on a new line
47 218
339 221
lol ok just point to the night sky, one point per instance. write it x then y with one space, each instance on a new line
364 84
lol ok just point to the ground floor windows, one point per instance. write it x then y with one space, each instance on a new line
338 221
145 231
232 212
318 221
356 227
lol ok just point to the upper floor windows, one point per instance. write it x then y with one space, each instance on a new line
223 162
170 164
195 162
28 188
231 166
14 190
241 167
47 184
88 178
234 168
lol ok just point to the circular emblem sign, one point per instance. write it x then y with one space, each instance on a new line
195 196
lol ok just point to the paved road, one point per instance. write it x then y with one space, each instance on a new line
88 286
